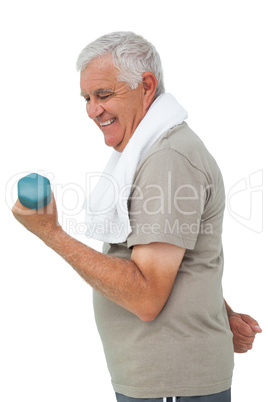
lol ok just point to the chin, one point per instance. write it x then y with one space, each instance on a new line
113 142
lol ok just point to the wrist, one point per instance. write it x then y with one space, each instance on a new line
52 235
229 310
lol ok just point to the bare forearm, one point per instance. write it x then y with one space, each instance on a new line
118 279
228 309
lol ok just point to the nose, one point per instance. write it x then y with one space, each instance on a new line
94 109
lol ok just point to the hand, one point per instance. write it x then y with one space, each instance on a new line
244 330
41 222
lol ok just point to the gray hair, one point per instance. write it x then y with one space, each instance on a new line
132 55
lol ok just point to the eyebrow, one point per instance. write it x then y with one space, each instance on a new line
98 91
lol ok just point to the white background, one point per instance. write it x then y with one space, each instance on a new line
214 56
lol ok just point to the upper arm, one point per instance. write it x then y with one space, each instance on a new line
159 264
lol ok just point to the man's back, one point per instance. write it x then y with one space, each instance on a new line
178 198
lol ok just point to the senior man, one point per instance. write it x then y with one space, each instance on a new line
158 208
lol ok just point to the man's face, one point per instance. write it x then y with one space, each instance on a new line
116 109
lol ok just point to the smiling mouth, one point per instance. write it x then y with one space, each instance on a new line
108 122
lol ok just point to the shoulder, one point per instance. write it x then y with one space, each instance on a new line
180 148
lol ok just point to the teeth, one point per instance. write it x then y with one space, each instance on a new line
106 123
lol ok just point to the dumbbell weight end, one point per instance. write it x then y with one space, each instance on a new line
34 191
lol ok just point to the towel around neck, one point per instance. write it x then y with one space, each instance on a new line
107 217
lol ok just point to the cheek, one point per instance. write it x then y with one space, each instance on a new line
87 109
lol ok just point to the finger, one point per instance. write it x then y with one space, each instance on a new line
242 330
257 329
242 343
20 209
247 336
238 350
242 348
252 322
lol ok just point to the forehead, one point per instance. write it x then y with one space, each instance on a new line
100 73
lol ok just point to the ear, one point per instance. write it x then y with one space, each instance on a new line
149 83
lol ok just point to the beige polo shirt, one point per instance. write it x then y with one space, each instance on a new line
178 198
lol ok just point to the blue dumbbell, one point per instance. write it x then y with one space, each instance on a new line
34 191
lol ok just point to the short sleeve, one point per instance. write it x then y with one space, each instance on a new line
167 201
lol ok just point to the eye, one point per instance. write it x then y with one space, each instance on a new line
87 99
104 97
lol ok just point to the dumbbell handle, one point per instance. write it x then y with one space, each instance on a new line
34 191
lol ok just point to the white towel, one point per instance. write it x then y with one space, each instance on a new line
107 216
